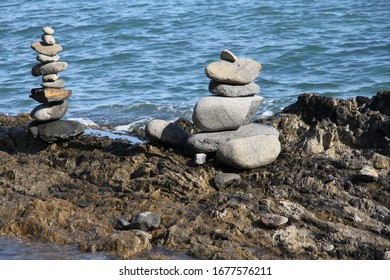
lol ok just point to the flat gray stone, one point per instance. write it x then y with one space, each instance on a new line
54 131
241 72
233 90
48 39
42 48
216 113
47 58
228 56
50 77
50 111
59 83
223 180
209 142
250 152
145 221
164 132
48 30
48 68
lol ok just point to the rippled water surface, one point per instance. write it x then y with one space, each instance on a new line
130 61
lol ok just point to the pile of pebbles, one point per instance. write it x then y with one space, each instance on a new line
47 124
223 122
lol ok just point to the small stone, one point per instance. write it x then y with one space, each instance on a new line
216 113
328 247
368 173
48 30
165 132
251 152
46 58
46 95
233 90
122 224
273 220
146 221
386 255
209 142
241 72
223 180
228 56
50 111
200 159
142 234
50 77
45 49
48 68
48 39
381 163
60 83
53 131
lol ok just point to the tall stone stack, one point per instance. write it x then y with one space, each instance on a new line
224 118
47 125
222 122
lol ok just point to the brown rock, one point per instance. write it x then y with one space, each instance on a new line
45 49
46 95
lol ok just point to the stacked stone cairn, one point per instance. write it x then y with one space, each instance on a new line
47 124
223 121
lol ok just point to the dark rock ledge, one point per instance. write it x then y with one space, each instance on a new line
330 184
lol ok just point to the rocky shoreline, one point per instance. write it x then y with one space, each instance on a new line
326 196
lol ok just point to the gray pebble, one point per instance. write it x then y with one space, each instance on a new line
145 221
223 180
48 39
50 77
47 58
48 30
273 220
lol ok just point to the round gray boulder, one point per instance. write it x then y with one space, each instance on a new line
50 111
165 132
250 152
215 113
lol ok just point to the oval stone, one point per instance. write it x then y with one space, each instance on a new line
273 220
50 111
251 152
215 113
47 58
48 68
60 83
233 90
50 77
165 132
48 30
45 49
241 72
228 56
48 39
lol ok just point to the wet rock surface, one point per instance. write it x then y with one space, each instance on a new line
90 182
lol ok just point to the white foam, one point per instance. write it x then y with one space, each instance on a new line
266 114
84 121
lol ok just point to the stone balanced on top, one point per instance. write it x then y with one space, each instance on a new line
223 121
47 125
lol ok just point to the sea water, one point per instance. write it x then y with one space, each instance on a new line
134 60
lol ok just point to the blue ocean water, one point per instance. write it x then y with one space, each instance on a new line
133 60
